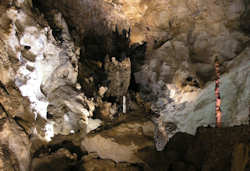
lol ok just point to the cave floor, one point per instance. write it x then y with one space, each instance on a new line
211 149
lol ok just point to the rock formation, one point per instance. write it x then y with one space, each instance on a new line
66 66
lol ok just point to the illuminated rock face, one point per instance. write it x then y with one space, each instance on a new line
179 71
190 107
174 70
46 66
53 66
201 110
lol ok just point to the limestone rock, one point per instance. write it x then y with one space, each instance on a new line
190 105
107 165
240 157
118 74
216 151
200 111
7 159
62 159
107 110
41 66
14 147
68 107
102 91
40 97
106 16
51 67
114 144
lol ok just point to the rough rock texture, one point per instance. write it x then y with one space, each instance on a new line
62 159
69 110
15 147
46 66
107 111
209 149
35 67
190 110
219 151
118 74
178 72
200 109
55 82
92 163
122 142
240 157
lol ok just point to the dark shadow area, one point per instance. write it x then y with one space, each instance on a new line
46 158
96 41
95 48
137 53
60 164
113 43
245 18
53 148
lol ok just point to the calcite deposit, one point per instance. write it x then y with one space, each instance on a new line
123 84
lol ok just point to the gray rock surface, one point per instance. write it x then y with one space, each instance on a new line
43 68
198 108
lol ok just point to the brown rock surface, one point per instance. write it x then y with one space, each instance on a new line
52 66
107 165
15 147
240 157
121 143
118 73
62 159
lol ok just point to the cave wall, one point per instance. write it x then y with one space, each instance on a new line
53 52
183 39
